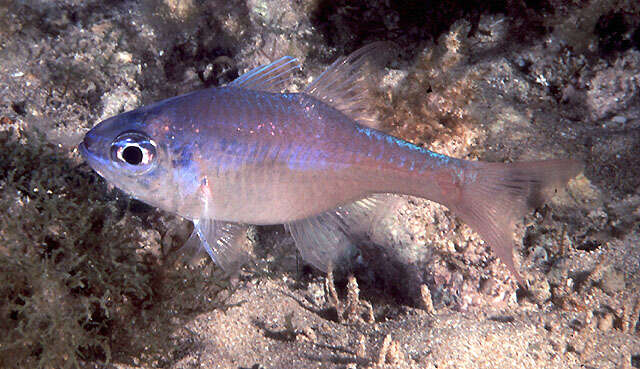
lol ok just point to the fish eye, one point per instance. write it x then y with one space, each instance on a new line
134 151
132 155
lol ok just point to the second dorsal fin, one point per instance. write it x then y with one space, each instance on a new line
272 77
345 85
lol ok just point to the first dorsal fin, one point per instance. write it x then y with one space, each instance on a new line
345 85
272 77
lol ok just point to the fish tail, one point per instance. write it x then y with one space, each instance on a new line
492 197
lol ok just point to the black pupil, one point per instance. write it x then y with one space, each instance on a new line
132 155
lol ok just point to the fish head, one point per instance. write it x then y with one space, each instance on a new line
128 152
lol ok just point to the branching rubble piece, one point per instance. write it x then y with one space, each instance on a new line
425 297
390 353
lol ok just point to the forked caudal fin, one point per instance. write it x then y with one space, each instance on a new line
498 197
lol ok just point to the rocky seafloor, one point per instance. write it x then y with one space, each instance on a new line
89 277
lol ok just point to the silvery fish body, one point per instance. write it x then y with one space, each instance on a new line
246 153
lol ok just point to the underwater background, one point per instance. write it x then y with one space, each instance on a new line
90 278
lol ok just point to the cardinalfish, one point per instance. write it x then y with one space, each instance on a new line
247 153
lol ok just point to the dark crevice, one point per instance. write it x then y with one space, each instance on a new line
349 24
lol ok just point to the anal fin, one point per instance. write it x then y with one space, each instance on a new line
329 239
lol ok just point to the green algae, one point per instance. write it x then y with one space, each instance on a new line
76 284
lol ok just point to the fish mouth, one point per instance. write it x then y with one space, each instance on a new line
84 152
95 161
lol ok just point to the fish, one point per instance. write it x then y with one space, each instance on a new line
251 153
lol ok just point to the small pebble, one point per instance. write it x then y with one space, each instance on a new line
612 281
605 322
